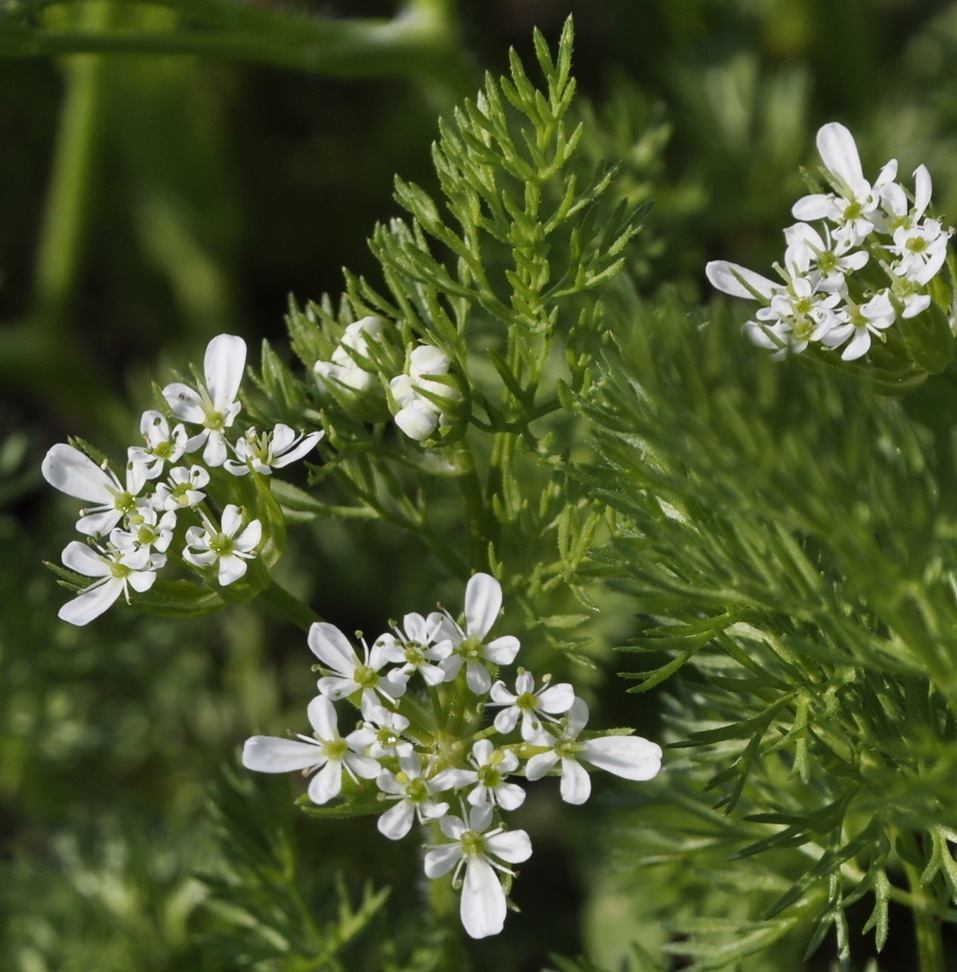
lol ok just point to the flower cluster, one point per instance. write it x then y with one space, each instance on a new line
131 527
418 399
424 759
866 265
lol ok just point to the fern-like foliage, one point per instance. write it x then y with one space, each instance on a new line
790 545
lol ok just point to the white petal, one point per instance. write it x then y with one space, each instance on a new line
94 524
271 754
922 190
214 453
223 366
483 900
577 717
510 796
858 346
332 647
418 420
477 678
231 568
327 783
232 520
540 765
91 602
738 281
576 783
513 846
839 153
307 444
630 757
440 860
483 601
365 767
85 560
556 698
506 720
186 404
397 822
142 580
76 474
817 205
322 717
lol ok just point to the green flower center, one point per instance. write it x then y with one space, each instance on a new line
221 545
471 649
489 776
473 843
415 653
365 676
335 749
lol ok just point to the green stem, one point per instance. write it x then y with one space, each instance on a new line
290 607
420 41
443 911
930 946
72 184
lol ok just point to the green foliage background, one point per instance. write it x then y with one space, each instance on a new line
154 199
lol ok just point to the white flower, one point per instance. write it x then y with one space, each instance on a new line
214 405
826 260
381 731
352 674
897 211
162 445
921 250
328 753
414 644
228 548
489 778
76 474
146 528
529 705
631 757
483 602
346 367
418 414
855 207
183 488
117 571
473 847
413 793
270 450
738 281
863 320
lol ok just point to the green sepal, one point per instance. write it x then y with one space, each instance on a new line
358 800
176 599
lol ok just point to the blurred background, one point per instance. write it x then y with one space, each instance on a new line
151 201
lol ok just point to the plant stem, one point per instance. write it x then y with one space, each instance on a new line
289 606
930 946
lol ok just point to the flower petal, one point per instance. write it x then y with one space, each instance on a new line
73 472
85 560
483 601
440 860
396 822
513 846
630 757
322 717
576 783
483 901
272 754
186 404
738 281
327 783
91 602
332 647
839 154
223 366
